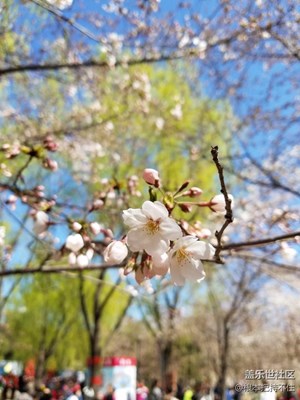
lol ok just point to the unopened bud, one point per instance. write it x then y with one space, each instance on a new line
108 233
41 222
96 228
49 144
151 177
98 204
218 204
115 252
193 192
76 226
50 164
185 207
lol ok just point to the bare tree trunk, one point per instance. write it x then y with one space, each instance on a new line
165 353
224 362
40 366
95 354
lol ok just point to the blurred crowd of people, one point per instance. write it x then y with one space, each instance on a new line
55 388
203 391
73 387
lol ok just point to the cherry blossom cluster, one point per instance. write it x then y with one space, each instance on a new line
37 151
158 243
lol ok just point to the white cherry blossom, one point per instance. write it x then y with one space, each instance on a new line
2 235
82 260
151 228
72 259
185 259
132 291
74 242
41 222
61 4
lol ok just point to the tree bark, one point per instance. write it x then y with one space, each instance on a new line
224 363
165 354
40 367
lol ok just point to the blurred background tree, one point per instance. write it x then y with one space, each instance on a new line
126 85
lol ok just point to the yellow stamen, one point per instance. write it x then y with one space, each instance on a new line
152 227
181 255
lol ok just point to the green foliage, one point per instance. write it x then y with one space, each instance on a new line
43 317
111 298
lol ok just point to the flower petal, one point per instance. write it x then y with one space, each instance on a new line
74 242
154 210
201 250
176 276
193 271
133 217
160 264
169 229
139 276
156 245
185 241
137 239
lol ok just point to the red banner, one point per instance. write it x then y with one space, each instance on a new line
119 361
96 360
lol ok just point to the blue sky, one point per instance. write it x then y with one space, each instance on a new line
258 80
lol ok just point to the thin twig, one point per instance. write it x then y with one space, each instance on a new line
228 215
59 15
259 242
265 260
19 174
55 270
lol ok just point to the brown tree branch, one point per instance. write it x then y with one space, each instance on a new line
60 16
265 260
228 215
259 242
87 64
55 270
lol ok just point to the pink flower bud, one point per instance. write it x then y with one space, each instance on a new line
50 164
97 204
49 144
185 207
115 252
195 191
151 177
217 203
108 233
